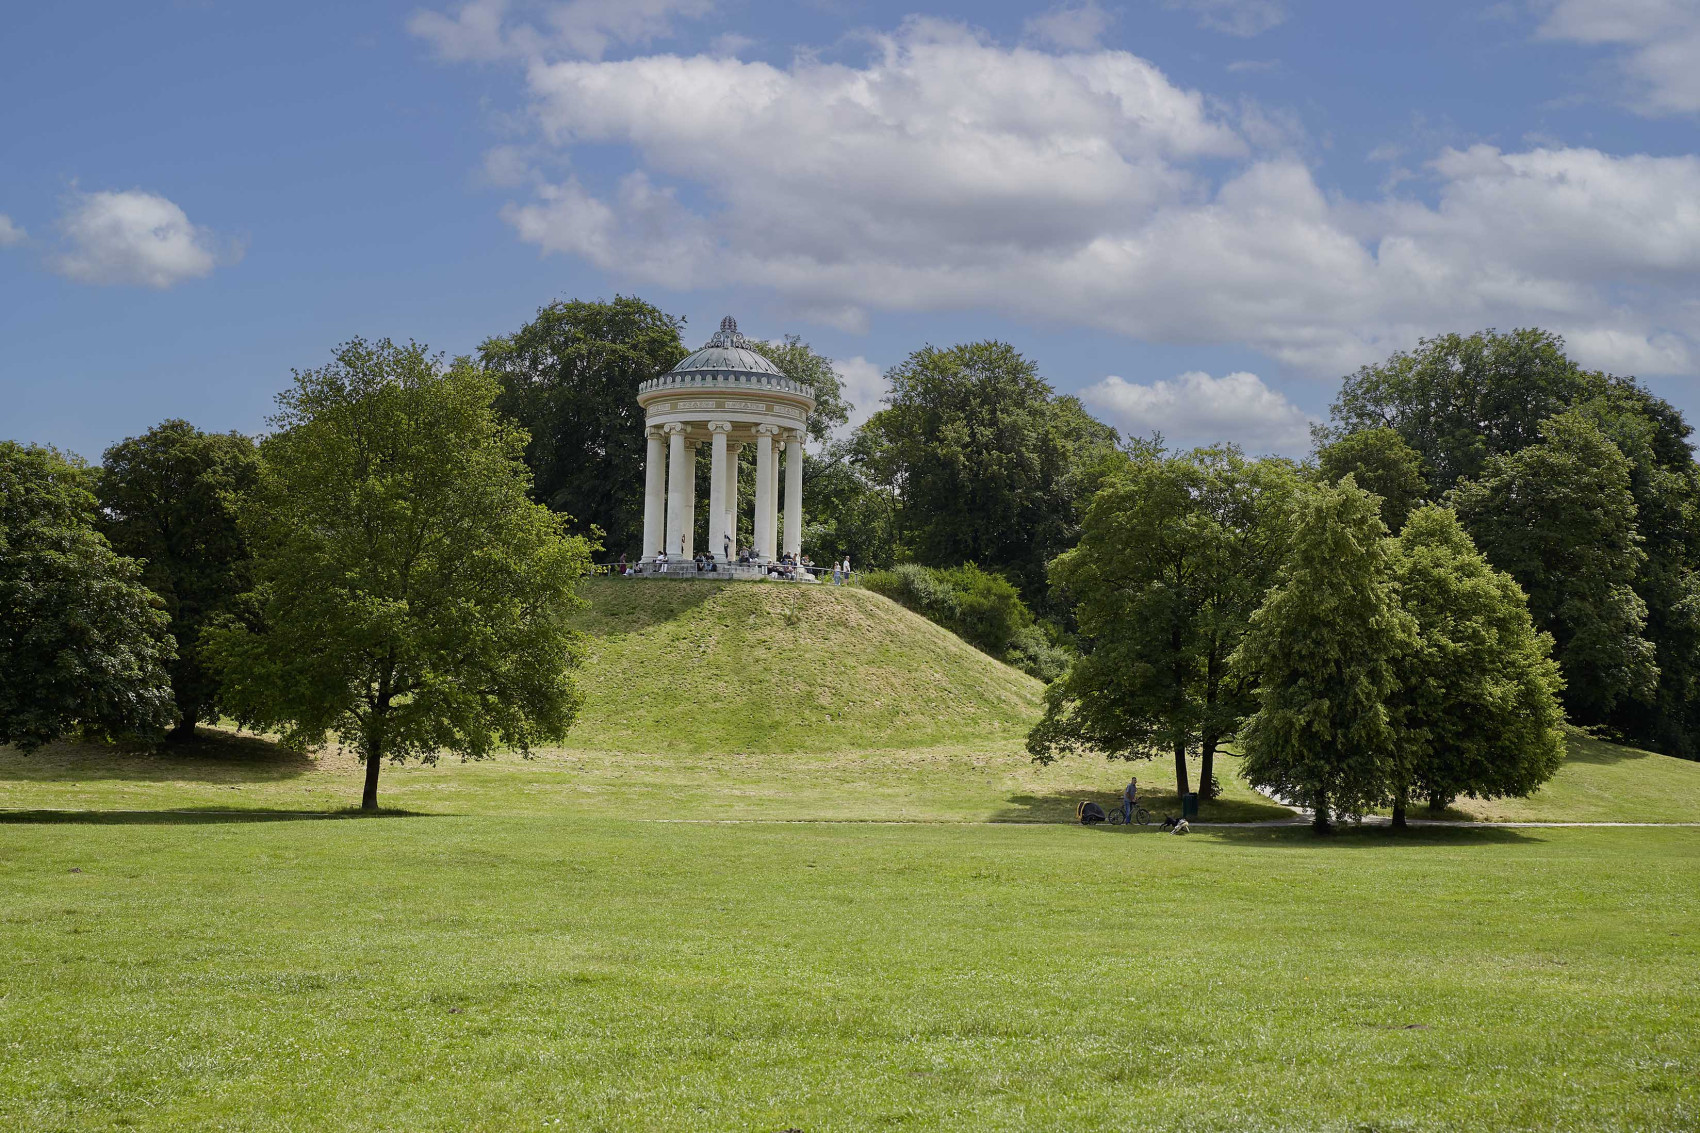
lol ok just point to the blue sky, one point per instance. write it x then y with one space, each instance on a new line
1198 214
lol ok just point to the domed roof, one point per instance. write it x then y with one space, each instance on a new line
727 351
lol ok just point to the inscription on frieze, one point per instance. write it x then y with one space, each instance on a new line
758 406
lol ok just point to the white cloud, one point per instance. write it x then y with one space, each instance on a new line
1075 28
10 233
482 30
948 172
1197 409
132 237
1244 18
1659 39
865 387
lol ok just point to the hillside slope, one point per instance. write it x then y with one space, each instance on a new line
687 666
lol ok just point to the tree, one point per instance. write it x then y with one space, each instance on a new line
1175 554
83 644
798 361
1481 714
987 465
1324 648
1559 517
168 498
570 377
1459 400
1381 462
414 599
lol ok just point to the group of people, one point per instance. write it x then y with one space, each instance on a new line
787 566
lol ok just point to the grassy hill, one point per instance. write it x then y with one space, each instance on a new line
690 666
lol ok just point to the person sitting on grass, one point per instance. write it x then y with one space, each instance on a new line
1130 796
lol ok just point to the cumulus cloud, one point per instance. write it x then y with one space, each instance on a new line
865 388
10 233
132 237
1244 18
947 171
1659 42
1195 408
489 30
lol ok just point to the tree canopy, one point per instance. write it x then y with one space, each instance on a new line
986 463
1324 649
798 361
1175 554
570 377
1480 714
84 644
168 498
1559 517
414 599
1380 462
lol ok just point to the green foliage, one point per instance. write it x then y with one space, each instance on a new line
1380 462
83 643
1325 649
1481 715
798 361
414 600
1175 554
1559 517
987 465
168 498
848 510
570 377
1458 400
978 606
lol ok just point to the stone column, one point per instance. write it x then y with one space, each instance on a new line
773 503
675 489
764 491
732 454
794 494
690 498
717 489
654 493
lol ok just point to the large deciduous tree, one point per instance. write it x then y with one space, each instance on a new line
571 377
84 644
988 465
1379 461
1324 649
1459 399
1479 692
798 361
168 498
414 600
1559 517
1175 554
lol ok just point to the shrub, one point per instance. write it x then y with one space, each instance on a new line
982 608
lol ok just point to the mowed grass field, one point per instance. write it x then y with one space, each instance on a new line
669 929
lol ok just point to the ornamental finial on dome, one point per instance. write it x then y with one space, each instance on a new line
728 334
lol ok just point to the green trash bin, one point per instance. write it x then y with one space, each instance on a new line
1189 805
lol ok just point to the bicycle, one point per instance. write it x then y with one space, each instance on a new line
1140 815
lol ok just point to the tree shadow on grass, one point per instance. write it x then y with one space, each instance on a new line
213 756
1059 806
189 816
1582 748
628 605
1375 837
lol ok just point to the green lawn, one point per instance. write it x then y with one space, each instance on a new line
1603 782
493 973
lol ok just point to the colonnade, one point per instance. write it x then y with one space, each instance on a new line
670 491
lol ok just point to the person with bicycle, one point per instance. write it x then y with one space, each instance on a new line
1130 796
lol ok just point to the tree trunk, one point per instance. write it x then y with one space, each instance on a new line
185 728
1207 769
1399 801
1437 803
1319 814
374 762
1180 767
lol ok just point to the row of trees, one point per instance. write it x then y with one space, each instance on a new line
373 570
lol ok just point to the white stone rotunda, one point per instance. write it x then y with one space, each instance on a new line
721 398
